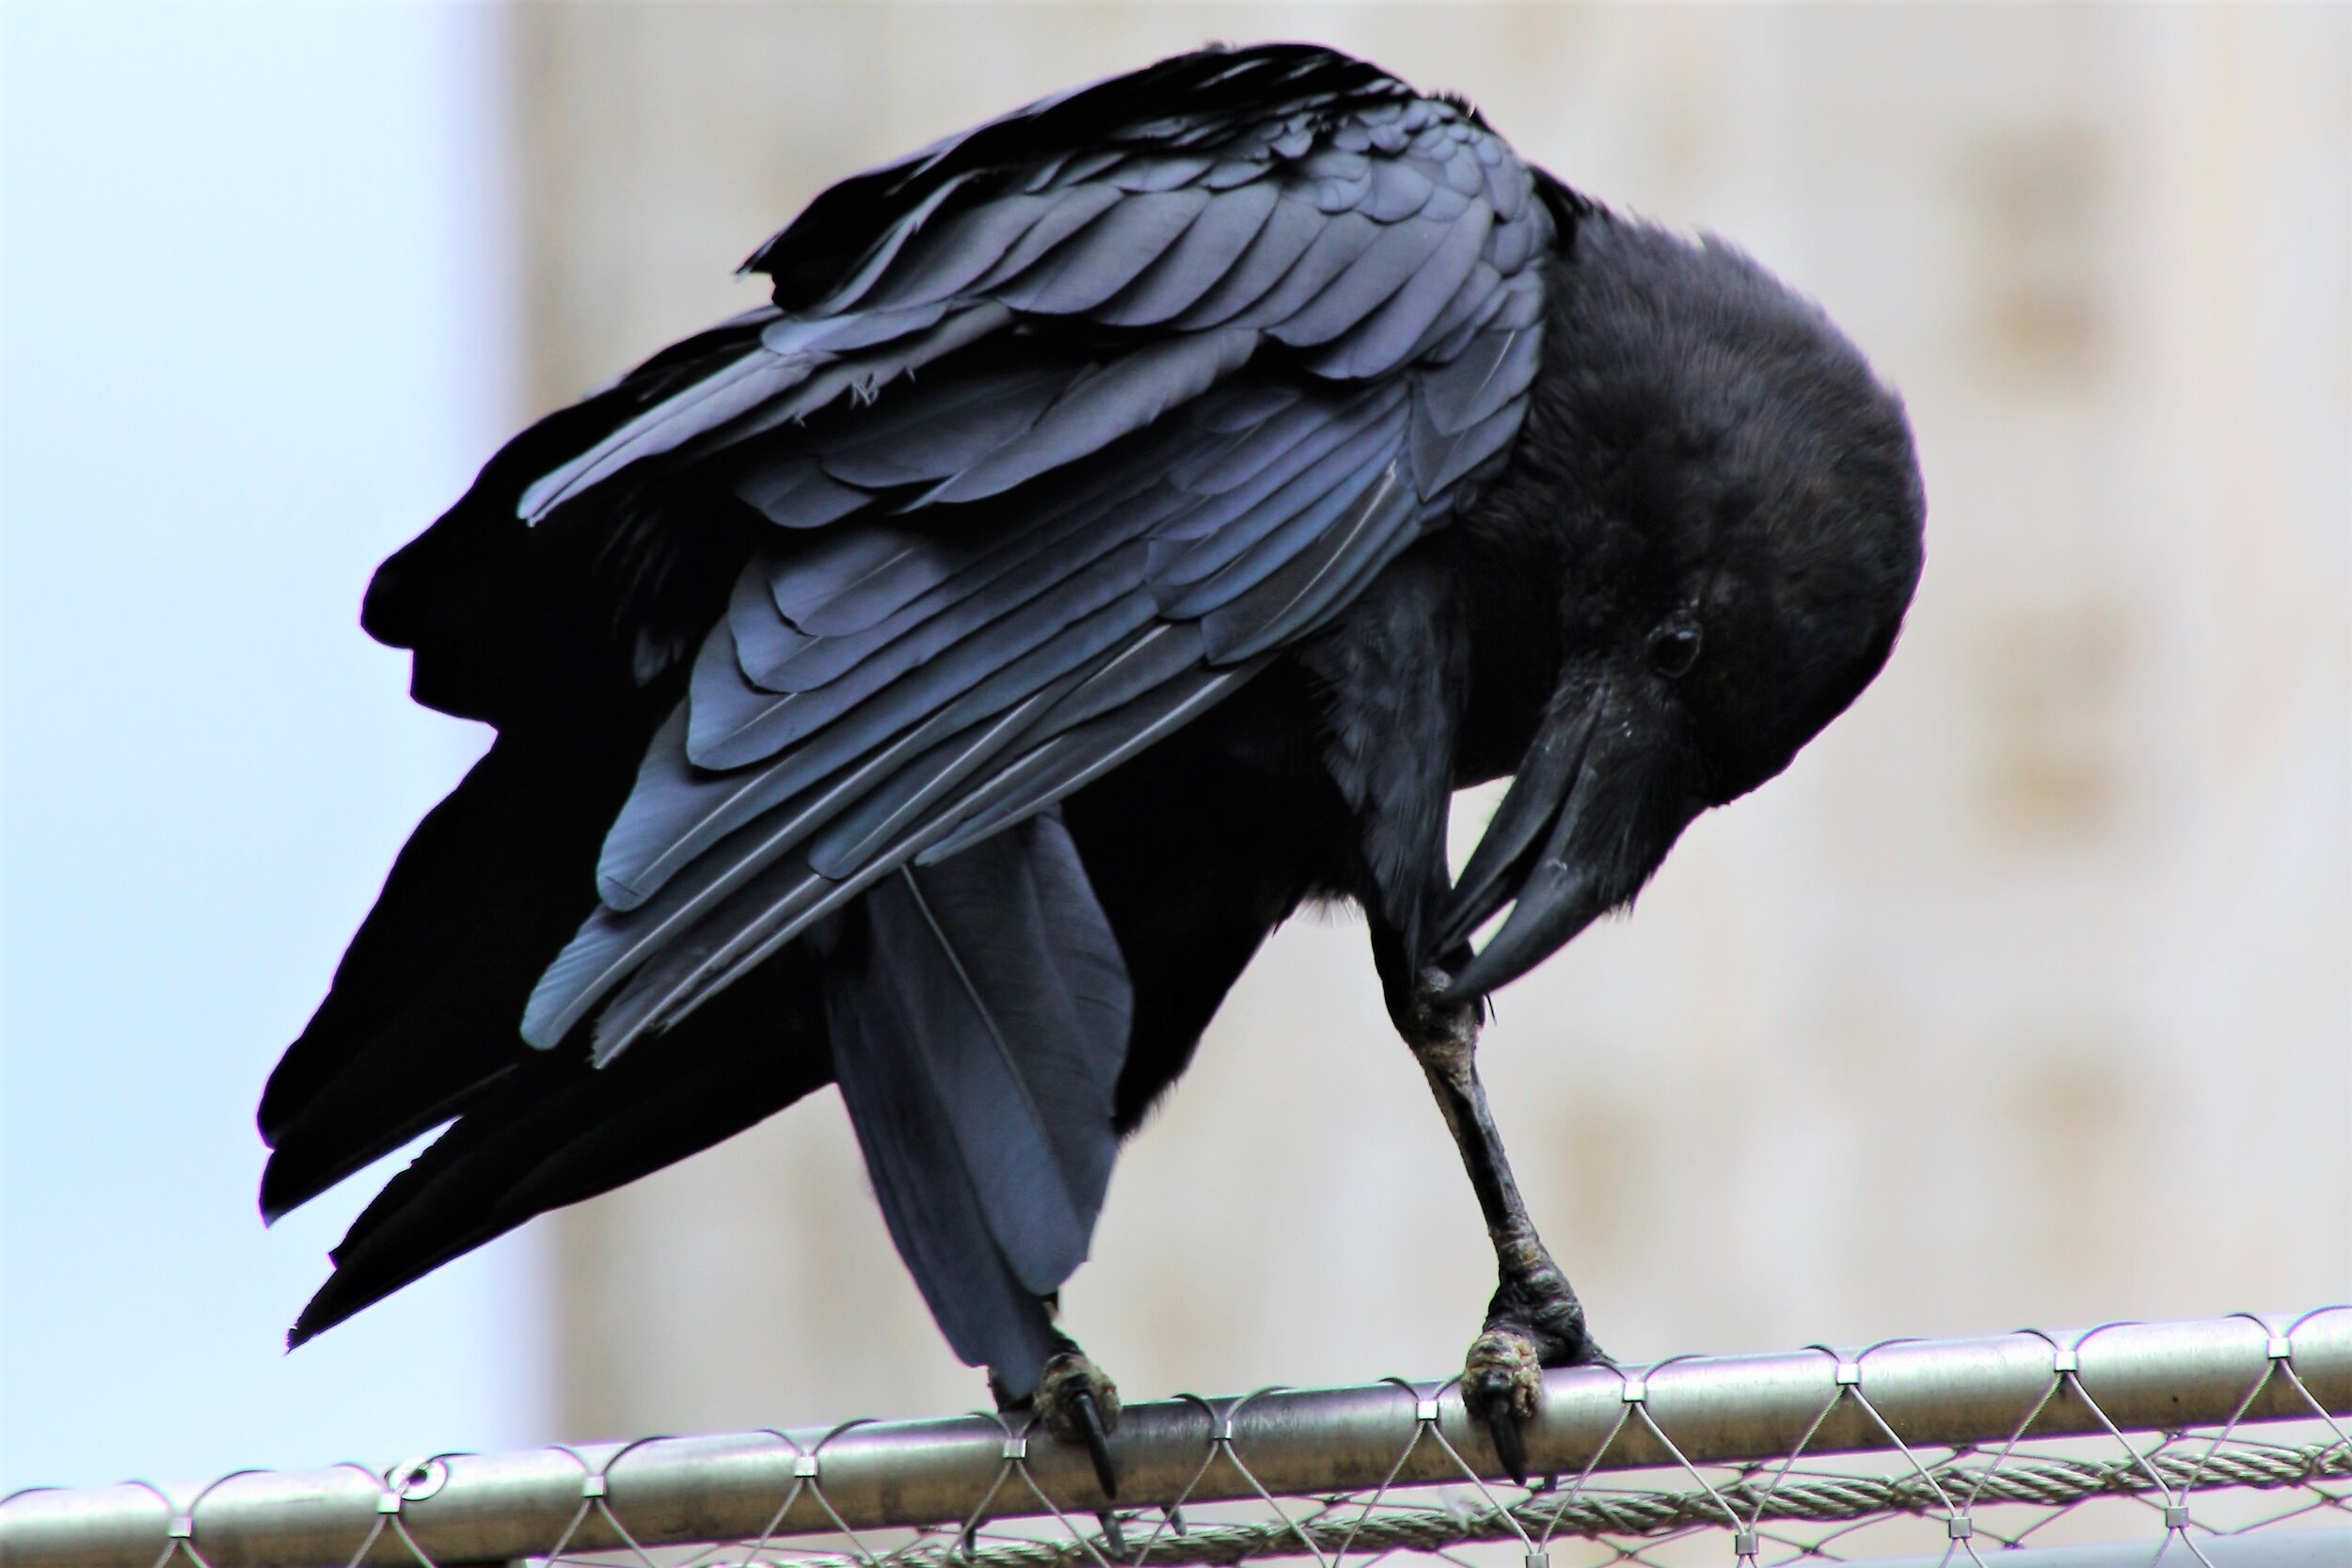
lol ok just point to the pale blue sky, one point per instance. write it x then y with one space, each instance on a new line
253 335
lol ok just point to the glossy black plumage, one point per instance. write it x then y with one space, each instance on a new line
1226 462
983 1072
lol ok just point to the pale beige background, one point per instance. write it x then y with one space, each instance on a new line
2024 996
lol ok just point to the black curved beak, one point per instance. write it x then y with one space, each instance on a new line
1596 805
1530 807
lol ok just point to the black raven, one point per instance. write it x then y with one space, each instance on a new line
1132 517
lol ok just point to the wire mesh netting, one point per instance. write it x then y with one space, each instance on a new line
2221 1442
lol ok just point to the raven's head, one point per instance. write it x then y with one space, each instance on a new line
1733 506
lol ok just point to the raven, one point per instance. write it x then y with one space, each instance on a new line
1131 518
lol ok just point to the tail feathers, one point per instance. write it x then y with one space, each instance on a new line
555 1131
928 1201
423 1015
979 1012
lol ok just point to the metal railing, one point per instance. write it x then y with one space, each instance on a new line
1965 1448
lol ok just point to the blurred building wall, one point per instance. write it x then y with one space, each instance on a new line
2024 996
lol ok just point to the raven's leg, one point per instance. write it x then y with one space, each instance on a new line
1075 1400
1534 1319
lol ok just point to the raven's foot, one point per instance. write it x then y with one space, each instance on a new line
1078 1403
1533 1323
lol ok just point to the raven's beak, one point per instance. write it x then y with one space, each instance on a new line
1531 804
1593 790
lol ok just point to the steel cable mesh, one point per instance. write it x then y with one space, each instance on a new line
2219 1443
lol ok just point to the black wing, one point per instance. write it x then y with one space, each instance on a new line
1056 434
1073 422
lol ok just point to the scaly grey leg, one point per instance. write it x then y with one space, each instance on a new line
1534 1319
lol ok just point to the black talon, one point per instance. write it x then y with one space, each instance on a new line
1098 1442
1510 1447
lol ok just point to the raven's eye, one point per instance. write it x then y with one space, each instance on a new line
1674 648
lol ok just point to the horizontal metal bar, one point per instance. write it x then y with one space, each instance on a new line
494 1508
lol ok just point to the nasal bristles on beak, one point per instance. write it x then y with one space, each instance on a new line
1530 805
